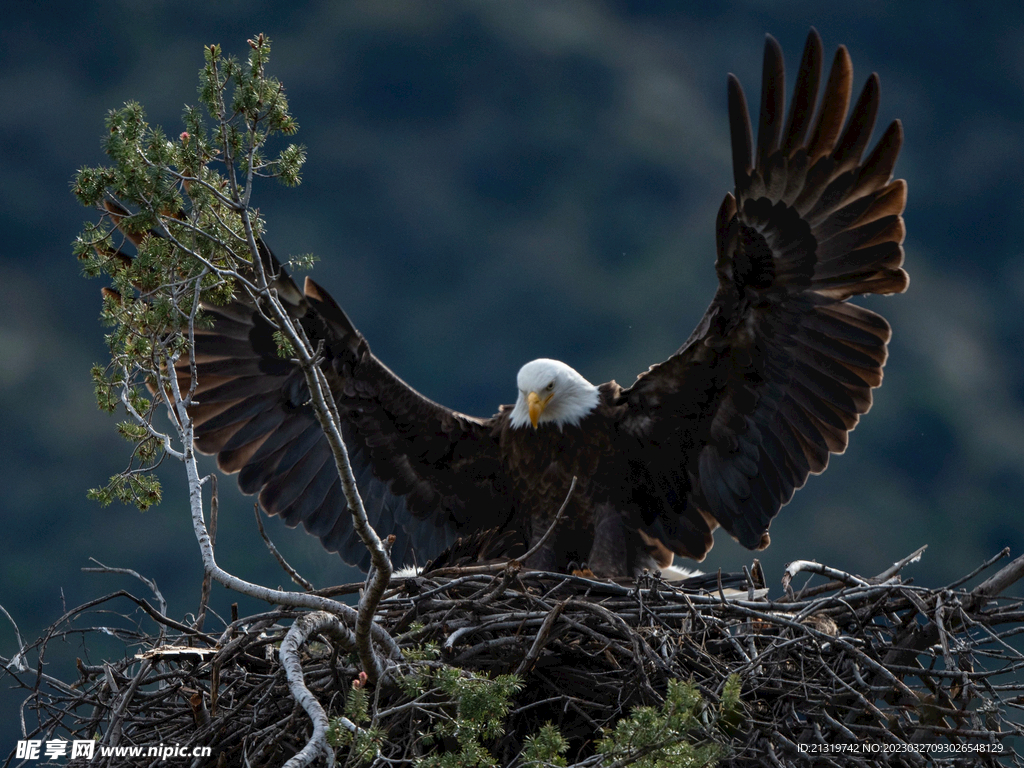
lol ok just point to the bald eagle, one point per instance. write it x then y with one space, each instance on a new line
721 433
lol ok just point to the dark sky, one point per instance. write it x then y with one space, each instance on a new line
493 182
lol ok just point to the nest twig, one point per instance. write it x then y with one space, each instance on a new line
912 676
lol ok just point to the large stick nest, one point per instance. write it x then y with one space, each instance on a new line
920 676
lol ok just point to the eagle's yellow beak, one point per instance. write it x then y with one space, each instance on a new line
537 405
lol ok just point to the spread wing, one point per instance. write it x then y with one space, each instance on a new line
781 366
424 471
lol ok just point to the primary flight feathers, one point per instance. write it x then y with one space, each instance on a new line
721 433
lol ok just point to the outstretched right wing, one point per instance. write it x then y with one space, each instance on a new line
425 472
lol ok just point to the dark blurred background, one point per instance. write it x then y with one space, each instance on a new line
493 182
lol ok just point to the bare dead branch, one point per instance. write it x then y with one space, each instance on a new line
293 574
204 593
554 524
302 630
101 568
1005 578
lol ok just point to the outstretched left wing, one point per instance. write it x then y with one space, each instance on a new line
781 367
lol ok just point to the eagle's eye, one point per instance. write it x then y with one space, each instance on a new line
550 386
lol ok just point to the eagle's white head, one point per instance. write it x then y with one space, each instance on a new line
552 392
